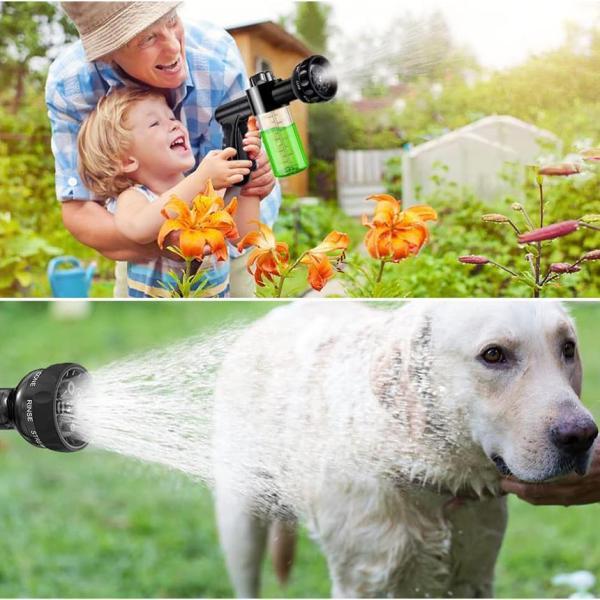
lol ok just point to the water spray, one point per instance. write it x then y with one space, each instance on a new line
40 408
268 98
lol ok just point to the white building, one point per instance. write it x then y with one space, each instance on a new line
476 156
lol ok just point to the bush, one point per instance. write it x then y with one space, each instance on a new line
22 254
323 181
29 201
459 230
392 176
303 226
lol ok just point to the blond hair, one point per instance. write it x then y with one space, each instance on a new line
104 140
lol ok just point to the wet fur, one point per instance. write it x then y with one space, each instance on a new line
430 526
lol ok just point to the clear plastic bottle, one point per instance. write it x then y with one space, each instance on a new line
282 142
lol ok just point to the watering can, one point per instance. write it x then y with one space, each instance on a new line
68 278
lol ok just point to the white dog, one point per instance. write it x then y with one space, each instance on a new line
386 431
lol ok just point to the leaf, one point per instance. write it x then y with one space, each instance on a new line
25 278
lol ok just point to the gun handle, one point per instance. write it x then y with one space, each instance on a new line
234 131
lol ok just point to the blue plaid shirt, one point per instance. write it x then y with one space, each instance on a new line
215 74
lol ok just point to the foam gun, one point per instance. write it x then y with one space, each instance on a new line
267 99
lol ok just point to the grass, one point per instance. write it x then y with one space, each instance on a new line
94 524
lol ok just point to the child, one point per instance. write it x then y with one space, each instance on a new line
132 148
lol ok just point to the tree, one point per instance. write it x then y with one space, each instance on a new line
29 33
312 24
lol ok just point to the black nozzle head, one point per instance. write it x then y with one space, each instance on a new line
313 80
40 408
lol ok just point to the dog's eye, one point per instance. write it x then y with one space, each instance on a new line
493 355
569 350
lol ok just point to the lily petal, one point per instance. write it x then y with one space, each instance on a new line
191 243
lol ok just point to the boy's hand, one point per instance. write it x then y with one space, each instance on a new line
262 181
252 139
223 172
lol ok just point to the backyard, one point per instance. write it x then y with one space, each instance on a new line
555 90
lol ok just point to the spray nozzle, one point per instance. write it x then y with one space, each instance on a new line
313 80
40 408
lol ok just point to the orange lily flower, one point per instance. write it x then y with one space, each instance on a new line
268 256
396 234
320 270
207 222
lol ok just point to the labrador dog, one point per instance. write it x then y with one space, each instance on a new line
386 431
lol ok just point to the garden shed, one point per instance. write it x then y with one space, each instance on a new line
476 156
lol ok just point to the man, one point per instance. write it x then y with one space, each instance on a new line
197 66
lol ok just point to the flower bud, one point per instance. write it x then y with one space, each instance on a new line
495 218
560 170
516 206
564 268
549 233
472 259
592 255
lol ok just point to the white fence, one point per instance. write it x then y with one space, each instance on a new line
360 174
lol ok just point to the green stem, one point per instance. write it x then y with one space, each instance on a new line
512 224
186 288
380 272
538 258
589 226
503 268
541 205
280 285
286 273
528 218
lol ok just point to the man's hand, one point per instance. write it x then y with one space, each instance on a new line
262 181
566 492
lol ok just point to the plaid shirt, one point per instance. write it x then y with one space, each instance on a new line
215 74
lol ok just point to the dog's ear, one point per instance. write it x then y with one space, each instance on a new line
399 377
387 374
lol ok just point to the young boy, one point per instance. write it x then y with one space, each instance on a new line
132 148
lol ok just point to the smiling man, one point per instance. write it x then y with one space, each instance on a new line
197 66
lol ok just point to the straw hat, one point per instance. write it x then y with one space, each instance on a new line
106 26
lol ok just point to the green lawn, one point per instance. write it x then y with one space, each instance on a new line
93 524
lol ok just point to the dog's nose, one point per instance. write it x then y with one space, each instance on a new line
574 437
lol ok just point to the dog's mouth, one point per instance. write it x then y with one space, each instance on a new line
501 465
563 467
